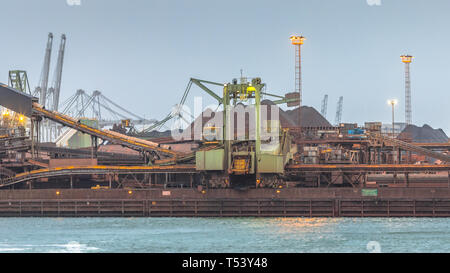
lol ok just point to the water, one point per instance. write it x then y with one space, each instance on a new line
168 235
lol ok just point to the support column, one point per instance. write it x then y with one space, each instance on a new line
38 137
94 147
32 137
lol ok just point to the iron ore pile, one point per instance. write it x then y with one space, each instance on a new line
424 134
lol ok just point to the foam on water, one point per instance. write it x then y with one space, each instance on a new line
70 247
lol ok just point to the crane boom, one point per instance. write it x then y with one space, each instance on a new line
58 73
324 106
43 84
339 110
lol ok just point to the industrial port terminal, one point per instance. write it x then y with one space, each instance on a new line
249 157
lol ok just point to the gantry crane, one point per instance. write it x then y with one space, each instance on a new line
50 130
324 106
56 87
339 110
41 90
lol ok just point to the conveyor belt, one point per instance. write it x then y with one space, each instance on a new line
113 137
97 170
86 152
411 147
367 168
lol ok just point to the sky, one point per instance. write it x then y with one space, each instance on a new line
142 53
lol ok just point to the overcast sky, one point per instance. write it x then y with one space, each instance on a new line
141 53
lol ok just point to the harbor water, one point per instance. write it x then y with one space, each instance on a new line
200 235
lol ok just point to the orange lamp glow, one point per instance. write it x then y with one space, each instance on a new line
406 58
297 40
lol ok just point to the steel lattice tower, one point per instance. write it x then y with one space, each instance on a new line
297 41
407 59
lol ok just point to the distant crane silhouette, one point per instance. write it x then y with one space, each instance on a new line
340 106
324 106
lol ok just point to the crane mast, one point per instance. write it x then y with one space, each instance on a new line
324 106
43 84
56 88
339 109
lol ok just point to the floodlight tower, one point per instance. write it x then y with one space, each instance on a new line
297 41
407 59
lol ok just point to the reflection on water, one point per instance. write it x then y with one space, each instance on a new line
304 223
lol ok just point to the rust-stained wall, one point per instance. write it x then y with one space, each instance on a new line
225 203
291 193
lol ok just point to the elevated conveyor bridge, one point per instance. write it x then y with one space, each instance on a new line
113 137
411 147
27 105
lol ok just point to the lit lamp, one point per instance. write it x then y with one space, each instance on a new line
393 102
297 40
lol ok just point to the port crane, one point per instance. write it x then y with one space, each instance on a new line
41 90
101 108
324 107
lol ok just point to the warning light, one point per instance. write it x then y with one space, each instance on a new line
130 192
203 192
278 191
58 193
